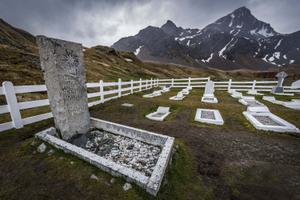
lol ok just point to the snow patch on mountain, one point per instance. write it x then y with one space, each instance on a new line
264 32
278 44
137 51
188 43
224 48
208 59
231 22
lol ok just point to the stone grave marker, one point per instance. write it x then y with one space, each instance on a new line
280 76
209 88
64 74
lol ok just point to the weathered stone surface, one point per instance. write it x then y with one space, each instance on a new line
64 73
41 148
94 177
209 88
127 186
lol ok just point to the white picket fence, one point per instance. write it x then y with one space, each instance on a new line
14 107
261 86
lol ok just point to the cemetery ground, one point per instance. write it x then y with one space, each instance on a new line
233 161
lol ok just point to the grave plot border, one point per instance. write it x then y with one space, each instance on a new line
218 117
151 184
286 128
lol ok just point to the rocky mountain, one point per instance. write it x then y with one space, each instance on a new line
237 40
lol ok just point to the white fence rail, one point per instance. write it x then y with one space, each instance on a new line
104 94
263 86
111 90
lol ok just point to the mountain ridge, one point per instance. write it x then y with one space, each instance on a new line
237 40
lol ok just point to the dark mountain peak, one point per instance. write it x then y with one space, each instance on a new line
169 24
236 40
170 28
242 10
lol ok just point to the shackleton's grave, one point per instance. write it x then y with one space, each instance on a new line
137 155
62 65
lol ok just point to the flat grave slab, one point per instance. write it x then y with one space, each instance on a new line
127 105
137 155
178 97
165 89
236 94
293 104
250 101
254 92
185 91
160 114
258 109
153 94
269 122
209 116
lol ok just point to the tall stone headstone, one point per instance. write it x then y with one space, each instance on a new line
279 88
64 74
209 88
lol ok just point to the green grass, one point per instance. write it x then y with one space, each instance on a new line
203 163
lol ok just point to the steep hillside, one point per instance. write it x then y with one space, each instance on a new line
19 61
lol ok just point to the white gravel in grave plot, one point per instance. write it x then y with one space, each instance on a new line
207 114
125 151
268 121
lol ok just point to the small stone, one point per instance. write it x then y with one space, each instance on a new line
127 186
72 162
112 181
94 177
41 148
61 158
50 152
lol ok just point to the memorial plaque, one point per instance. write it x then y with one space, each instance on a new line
64 74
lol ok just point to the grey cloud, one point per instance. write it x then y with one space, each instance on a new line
93 22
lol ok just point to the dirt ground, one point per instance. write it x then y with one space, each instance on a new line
233 161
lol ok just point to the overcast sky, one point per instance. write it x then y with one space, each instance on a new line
94 22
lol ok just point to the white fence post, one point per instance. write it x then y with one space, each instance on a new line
151 84
172 82
253 85
131 89
101 91
157 82
189 84
146 84
140 84
119 87
12 104
229 85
